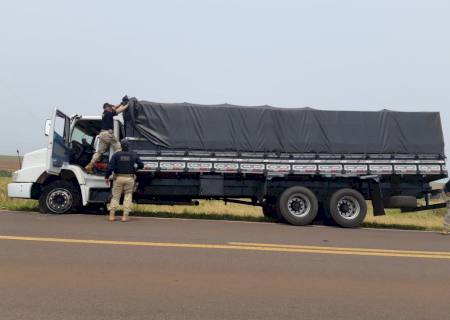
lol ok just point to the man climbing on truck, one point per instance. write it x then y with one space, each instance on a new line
106 136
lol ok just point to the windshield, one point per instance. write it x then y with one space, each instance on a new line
85 131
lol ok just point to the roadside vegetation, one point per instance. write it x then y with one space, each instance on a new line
4 173
14 204
395 219
217 210
207 209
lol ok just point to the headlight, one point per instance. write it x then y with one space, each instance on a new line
15 175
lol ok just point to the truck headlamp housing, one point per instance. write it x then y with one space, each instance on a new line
15 176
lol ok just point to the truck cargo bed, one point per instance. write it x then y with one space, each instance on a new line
265 130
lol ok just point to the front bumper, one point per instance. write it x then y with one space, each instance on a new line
20 190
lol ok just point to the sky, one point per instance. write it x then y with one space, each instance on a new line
325 54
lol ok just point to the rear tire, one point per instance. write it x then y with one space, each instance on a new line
59 197
298 206
347 208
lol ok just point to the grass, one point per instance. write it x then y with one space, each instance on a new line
207 209
5 174
395 219
217 210
14 204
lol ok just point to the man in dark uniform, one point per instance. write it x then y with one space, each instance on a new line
124 165
106 136
446 222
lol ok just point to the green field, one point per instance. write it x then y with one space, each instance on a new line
426 220
14 204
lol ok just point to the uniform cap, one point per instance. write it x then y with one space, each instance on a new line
125 144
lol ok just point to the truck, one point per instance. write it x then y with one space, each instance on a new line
295 163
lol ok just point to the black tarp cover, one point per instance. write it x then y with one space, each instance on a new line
227 127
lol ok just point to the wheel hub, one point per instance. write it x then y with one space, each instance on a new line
299 205
59 200
348 207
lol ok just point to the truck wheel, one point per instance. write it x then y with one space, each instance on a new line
59 197
298 205
347 208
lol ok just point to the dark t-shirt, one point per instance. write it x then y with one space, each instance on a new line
107 120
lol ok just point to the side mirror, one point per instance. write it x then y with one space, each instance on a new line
48 126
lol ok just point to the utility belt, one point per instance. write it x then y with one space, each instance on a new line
127 175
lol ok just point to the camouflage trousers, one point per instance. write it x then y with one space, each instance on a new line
123 183
106 140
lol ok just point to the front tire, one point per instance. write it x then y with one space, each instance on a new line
347 208
59 197
298 205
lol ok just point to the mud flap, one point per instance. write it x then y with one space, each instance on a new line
377 198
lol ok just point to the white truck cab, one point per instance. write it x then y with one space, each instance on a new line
55 175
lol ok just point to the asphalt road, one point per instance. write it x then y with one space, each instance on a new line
83 267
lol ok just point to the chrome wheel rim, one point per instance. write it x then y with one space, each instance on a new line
59 200
299 205
348 207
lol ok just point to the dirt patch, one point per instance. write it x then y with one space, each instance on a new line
9 163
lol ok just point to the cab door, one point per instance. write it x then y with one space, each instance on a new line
58 151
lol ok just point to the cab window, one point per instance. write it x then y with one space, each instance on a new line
85 132
82 146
